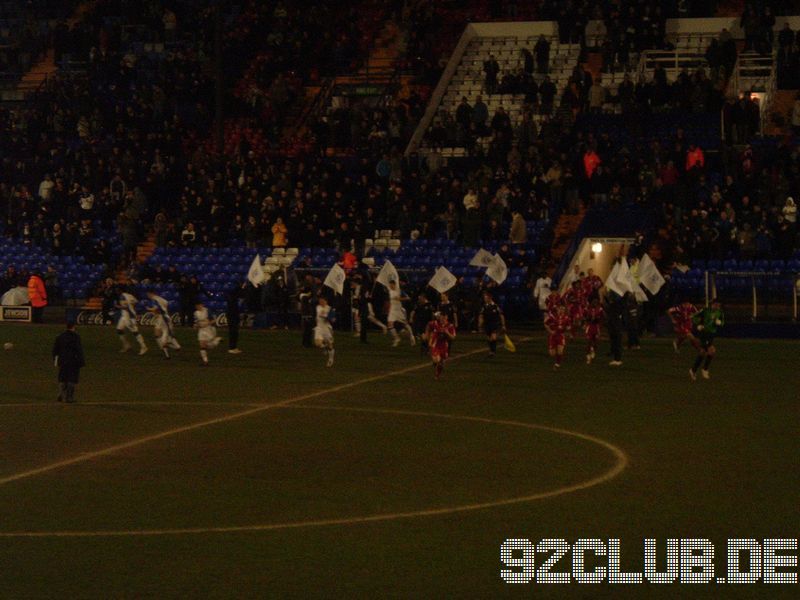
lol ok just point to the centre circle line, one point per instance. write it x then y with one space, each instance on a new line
620 465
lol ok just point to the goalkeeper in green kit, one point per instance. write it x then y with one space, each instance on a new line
705 325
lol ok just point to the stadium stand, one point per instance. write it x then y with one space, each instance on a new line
125 129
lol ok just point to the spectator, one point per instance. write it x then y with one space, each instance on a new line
790 212
51 283
547 93
491 69
597 97
542 51
46 187
695 159
519 234
591 161
471 200
279 233
188 235
480 114
37 293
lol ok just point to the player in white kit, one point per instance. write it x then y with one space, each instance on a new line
162 328
206 332
323 332
127 322
397 314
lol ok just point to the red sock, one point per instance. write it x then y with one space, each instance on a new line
558 359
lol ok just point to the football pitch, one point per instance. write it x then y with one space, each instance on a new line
268 475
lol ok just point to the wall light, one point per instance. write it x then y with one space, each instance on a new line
597 247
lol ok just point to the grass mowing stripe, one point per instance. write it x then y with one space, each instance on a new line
218 420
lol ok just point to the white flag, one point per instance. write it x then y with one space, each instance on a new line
256 273
497 269
387 274
620 281
624 276
335 279
649 275
639 294
442 280
482 258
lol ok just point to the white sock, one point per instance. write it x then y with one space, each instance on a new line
394 333
140 339
204 355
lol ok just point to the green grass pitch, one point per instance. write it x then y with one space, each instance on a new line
268 475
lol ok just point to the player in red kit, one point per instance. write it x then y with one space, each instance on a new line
681 316
576 305
591 284
594 317
554 300
557 325
440 332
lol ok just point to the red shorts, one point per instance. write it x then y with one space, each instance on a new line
683 329
556 340
592 331
440 351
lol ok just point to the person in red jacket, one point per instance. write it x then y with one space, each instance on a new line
590 162
37 294
695 159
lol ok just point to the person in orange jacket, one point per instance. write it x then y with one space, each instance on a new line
37 293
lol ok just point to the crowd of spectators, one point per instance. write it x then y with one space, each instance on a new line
97 158
86 158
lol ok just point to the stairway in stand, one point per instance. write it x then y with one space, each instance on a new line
563 234
378 70
46 67
143 252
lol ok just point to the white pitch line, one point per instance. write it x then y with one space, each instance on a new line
216 421
129 403
620 465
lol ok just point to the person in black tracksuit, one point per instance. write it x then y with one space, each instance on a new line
364 305
110 294
308 306
615 321
420 317
68 357
492 321
188 293
233 315
632 321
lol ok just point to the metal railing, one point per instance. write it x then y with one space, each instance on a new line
671 60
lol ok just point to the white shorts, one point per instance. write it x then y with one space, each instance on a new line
206 334
323 334
164 336
127 322
397 315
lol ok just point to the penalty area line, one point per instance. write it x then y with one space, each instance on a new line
87 456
